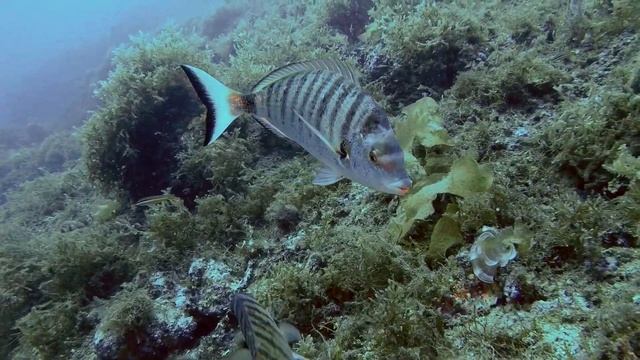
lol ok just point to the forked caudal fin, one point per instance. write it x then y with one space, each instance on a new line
223 104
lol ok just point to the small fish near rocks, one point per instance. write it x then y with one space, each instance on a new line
262 337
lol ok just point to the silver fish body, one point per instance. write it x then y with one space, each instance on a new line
320 106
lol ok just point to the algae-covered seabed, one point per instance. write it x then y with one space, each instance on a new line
528 117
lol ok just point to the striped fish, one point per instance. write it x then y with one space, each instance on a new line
158 199
264 339
319 105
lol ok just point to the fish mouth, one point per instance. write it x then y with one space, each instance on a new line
400 187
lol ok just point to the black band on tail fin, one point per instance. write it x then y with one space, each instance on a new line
205 97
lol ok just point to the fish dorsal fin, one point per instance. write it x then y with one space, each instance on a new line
333 65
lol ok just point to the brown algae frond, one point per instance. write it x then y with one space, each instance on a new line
494 248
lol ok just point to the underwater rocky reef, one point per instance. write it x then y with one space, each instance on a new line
520 239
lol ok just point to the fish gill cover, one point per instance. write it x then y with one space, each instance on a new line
513 115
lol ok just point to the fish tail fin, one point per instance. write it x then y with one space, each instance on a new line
223 104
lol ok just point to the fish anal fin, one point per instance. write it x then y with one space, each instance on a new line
326 176
241 354
266 124
290 332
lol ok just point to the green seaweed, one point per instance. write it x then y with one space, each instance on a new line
285 32
446 234
422 126
625 164
217 168
465 178
146 104
50 331
56 153
88 262
424 40
129 311
521 78
608 120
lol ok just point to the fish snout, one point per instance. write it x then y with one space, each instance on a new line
401 187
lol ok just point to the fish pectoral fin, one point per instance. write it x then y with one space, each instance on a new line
241 354
326 176
238 339
266 124
315 131
290 332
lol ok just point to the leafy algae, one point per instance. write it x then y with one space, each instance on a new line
466 177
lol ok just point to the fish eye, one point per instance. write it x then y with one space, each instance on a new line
373 156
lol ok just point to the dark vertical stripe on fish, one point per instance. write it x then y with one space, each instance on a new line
297 89
334 113
327 102
332 109
308 81
260 317
271 90
256 310
362 113
350 113
272 345
243 316
322 99
320 83
313 99
283 99
274 105
262 327
291 98
307 93
278 104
